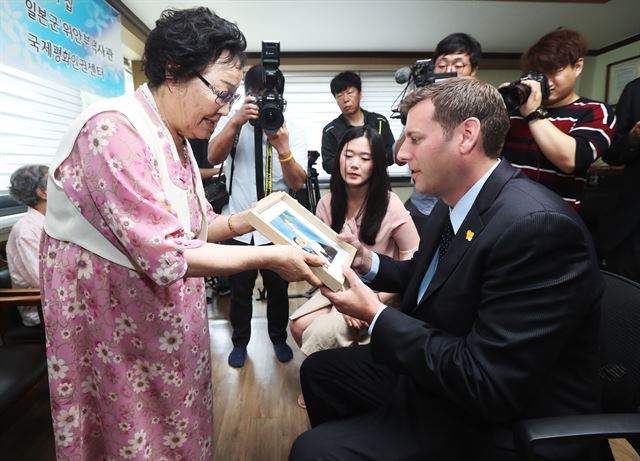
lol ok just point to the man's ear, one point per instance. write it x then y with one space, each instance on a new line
578 66
470 135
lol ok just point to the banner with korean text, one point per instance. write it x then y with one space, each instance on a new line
76 43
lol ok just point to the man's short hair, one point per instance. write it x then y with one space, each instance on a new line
556 50
253 82
459 43
344 80
457 99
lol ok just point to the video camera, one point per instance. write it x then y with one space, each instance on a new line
421 74
516 93
271 104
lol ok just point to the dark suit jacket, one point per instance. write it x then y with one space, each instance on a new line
624 214
508 326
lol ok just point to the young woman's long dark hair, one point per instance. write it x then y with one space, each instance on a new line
378 187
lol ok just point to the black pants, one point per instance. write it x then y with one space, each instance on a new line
242 285
625 258
361 410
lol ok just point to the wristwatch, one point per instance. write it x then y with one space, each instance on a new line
537 114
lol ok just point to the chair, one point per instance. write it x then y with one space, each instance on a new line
12 329
619 372
22 365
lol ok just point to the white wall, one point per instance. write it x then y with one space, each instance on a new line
594 77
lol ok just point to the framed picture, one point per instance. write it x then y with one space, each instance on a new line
618 75
283 220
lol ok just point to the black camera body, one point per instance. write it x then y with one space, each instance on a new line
423 73
516 93
271 104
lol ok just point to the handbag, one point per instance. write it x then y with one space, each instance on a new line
216 192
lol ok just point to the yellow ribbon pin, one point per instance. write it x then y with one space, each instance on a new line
470 235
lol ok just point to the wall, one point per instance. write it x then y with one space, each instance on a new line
594 77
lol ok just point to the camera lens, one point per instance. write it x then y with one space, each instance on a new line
271 118
514 95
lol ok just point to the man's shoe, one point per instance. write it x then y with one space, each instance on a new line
283 352
237 357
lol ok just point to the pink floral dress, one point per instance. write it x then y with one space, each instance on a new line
128 352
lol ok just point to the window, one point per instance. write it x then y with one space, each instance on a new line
311 104
35 113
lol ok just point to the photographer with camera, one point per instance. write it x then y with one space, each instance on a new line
346 87
555 134
275 165
457 54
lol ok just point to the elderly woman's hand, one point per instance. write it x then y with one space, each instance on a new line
240 223
292 264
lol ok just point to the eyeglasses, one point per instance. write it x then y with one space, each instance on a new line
222 97
443 66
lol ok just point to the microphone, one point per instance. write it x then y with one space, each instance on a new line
403 74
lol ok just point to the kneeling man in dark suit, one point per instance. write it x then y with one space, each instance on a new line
500 307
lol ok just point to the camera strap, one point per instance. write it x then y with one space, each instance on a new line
233 159
257 138
268 170
264 173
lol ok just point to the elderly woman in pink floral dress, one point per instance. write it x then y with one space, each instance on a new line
124 253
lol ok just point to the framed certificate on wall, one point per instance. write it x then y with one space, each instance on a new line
620 73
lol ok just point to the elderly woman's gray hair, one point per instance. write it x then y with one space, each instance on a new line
25 181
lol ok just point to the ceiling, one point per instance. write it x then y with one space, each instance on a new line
410 25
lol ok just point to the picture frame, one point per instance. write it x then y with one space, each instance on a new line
281 219
620 73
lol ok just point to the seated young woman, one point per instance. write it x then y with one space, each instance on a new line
360 202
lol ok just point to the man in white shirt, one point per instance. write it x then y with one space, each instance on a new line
29 187
283 154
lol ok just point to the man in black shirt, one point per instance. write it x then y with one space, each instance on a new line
621 228
346 87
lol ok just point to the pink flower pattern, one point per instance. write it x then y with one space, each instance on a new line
128 351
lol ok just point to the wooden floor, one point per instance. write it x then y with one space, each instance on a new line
255 412
256 417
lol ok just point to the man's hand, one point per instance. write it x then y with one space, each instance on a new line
534 101
280 140
634 134
362 259
357 301
248 111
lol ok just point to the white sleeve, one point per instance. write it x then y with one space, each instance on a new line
221 124
298 144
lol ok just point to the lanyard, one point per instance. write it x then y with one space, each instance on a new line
268 170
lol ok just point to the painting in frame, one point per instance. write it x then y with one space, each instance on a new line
620 73
281 219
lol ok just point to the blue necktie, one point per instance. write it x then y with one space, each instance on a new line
445 240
